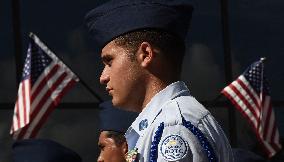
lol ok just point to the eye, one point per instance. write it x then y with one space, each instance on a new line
101 147
107 60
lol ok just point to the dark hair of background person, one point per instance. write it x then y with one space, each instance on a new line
118 137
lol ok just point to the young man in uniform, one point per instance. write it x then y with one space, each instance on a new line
113 125
142 47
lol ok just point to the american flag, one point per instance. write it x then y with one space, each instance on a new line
251 96
45 80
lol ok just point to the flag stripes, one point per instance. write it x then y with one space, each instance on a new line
22 107
255 105
36 102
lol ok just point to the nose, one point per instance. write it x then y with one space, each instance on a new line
104 79
100 159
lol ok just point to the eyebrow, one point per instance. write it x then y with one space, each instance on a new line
106 57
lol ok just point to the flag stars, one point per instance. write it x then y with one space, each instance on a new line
257 85
26 70
23 127
39 60
254 76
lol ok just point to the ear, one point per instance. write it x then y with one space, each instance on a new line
146 54
125 147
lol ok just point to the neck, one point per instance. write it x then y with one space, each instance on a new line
152 88
155 81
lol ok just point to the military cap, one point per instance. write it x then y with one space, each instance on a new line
115 119
42 150
116 18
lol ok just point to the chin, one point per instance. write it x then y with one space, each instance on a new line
114 102
117 104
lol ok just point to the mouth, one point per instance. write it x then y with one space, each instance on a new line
109 90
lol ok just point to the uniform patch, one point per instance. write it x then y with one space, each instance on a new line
173 148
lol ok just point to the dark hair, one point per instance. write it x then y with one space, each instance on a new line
118 137
171 46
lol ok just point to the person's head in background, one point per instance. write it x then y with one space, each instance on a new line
114 123
42 150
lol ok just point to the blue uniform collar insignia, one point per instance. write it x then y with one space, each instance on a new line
143 124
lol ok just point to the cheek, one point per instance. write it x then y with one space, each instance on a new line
126 79
129 80
115 154
124 73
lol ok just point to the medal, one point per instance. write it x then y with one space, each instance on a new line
131 155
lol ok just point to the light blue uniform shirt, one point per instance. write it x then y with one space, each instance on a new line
174 126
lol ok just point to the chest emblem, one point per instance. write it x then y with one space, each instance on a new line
173 148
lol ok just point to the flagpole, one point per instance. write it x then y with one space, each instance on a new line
262 59
34 36
262 70
84 83
89 89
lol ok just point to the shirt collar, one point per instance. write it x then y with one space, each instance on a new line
154 107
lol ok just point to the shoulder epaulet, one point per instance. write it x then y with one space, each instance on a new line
172 114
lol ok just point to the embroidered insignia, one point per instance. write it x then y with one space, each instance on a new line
131 155
143 124
173 148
